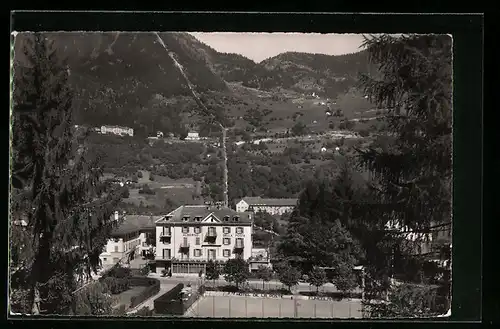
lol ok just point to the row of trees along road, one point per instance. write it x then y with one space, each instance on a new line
55 187
236 271
340 224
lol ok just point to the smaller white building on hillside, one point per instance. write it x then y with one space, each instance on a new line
271 206
193 136
117 130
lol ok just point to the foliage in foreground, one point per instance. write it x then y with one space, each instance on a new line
404 301
55 187
411 182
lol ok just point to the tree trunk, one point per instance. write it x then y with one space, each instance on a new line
35 309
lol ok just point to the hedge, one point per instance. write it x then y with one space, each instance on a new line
169 302
153 287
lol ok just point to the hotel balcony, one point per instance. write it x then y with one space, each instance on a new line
163 257
211 237
212 234
165 237
238 247
184 246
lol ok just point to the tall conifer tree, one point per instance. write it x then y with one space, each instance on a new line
412 175
55 186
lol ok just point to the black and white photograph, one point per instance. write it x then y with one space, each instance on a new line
231 175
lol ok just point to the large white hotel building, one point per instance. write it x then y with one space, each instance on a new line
191 235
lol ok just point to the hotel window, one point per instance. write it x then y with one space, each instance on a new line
185 229
197 229
211 253
166 230
226 218
239 242
197 241
211 231
227 241
226 230
185 242
226 252
239 230
166 253
116 248
197 253
235 218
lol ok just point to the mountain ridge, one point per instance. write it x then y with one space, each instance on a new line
129 78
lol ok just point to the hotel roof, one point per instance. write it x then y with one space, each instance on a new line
200 213
258 201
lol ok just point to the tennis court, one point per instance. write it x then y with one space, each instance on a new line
235 307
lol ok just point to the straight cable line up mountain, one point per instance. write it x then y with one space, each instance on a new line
207 112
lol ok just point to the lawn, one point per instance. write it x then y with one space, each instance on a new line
224 306
124 297
179 195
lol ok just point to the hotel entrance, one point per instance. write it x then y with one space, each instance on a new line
188 267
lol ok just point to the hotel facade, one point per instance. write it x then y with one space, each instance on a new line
191 235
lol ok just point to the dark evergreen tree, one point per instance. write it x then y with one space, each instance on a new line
55 186
412 174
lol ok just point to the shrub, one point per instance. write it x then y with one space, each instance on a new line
145 311
125 192
116 285
364 133
146 190
119 272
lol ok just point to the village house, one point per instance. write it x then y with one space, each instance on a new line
260 257
134 237
271 206
193 136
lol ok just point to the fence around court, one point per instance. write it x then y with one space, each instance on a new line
256 307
